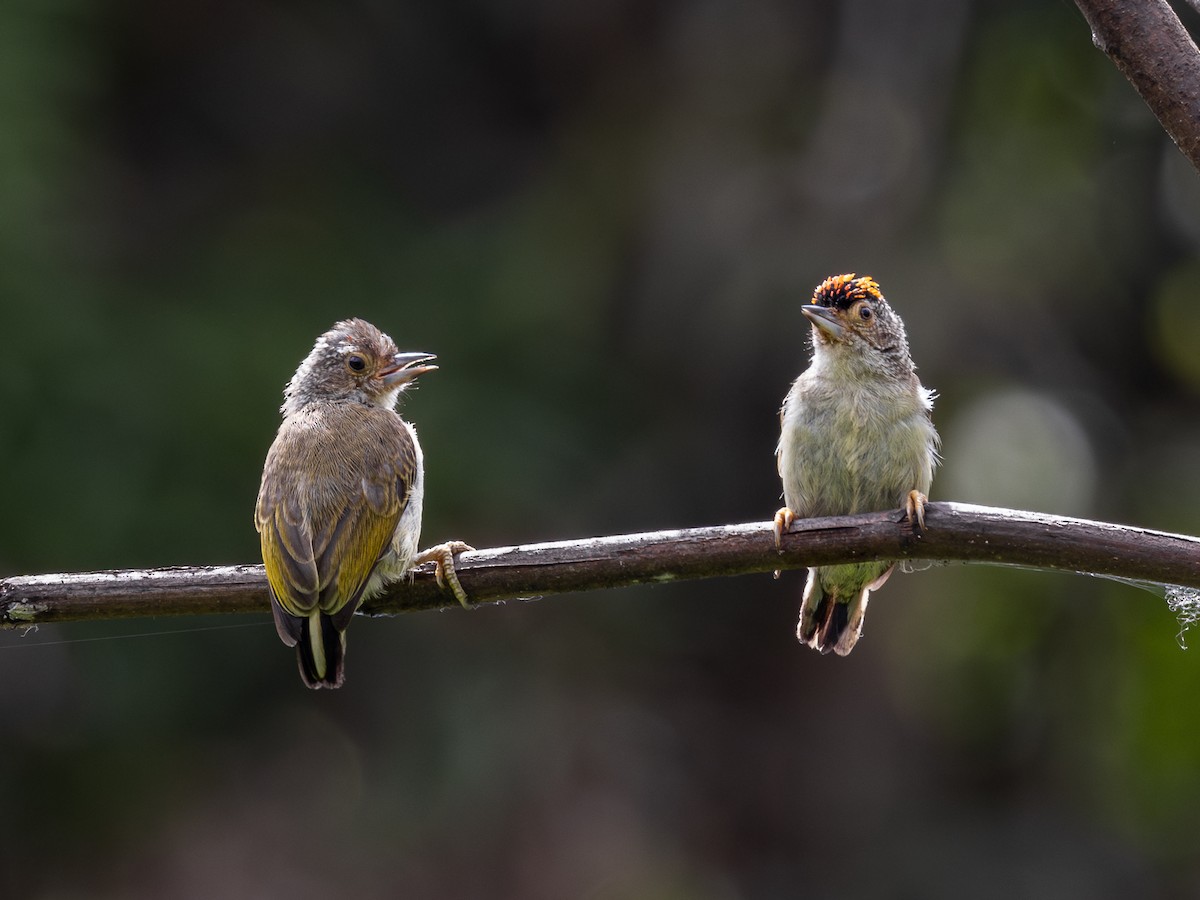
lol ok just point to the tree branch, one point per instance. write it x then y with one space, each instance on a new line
1148 43
954 531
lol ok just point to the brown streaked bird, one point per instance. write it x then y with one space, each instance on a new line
339 510
856 436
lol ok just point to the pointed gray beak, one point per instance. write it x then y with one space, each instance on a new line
825 319
404 368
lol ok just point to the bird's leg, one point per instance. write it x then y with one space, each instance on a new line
914 510
784 518
442 555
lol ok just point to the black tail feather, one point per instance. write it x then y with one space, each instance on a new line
333 642
834 618
825 619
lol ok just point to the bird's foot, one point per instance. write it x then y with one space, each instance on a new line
782 524
442 556
914 510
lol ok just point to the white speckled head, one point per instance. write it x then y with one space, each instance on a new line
353 361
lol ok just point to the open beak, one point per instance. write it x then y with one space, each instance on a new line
405 368
826 319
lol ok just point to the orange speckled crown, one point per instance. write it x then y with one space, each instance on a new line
840 291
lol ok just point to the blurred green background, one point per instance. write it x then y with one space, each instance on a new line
603 217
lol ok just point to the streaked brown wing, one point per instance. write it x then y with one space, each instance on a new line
323 531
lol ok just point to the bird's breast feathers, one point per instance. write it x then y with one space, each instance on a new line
854 447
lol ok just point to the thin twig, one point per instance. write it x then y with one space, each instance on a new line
1148 43
954 531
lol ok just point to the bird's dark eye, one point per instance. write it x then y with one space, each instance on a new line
864 313
357 363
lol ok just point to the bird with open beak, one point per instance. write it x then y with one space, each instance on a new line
339 510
